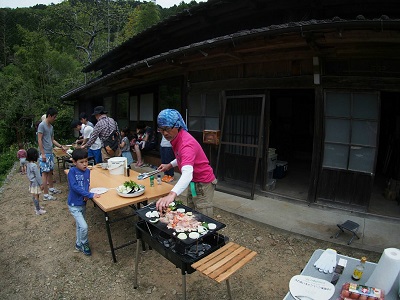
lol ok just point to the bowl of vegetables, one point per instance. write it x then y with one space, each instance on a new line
130 189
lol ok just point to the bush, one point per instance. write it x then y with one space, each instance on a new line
7 160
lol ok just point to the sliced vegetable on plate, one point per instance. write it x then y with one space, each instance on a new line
130 189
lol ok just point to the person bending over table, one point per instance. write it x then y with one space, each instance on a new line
191 160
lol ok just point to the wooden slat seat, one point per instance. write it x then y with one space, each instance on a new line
224 262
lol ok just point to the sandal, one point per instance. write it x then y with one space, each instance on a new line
170 179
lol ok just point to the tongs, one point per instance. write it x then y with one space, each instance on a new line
142 176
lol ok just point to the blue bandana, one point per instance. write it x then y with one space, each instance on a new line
170 118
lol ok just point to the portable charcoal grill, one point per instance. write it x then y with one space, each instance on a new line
182 253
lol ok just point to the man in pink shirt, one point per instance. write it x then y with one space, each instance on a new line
191 160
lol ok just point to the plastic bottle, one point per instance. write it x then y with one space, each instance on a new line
151 180
359 270
158 179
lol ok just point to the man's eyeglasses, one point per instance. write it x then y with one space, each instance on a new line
167 128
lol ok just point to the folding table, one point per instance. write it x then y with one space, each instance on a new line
310 270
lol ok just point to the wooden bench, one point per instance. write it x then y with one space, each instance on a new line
224 262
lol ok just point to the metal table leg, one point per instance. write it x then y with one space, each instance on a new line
228 287
110 238
184 285
135 282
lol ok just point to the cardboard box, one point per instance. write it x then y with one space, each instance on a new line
390 195
211 137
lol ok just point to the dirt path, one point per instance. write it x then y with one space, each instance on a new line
38 259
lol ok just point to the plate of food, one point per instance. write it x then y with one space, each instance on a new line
130 189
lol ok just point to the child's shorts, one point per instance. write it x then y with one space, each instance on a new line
22 161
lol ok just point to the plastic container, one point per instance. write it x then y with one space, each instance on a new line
359 270
117 165
358 291
272 159
281 169
271 151
151 180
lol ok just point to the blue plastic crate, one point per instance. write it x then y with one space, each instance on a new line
281 169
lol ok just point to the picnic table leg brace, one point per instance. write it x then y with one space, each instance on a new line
110 238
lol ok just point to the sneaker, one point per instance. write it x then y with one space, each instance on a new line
49 198
40 212
54 191
78 248
86 249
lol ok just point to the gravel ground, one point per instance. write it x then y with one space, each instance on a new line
38 259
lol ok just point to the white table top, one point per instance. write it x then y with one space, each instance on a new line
310 270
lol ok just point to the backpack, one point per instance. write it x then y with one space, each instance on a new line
111 143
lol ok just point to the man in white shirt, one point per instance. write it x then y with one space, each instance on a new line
94 150
85 120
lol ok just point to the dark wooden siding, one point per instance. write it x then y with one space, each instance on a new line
344 187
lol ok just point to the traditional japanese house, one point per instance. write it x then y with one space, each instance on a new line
313 86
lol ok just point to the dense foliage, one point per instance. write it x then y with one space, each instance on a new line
43 50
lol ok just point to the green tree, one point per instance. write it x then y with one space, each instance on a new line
141 18
173 10
34 82
90 26
10 19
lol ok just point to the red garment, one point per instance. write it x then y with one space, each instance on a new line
21 153
188 152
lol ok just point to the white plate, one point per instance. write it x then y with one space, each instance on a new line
212 226
99 190
182 236
131 195
152 214
311 287
194 235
